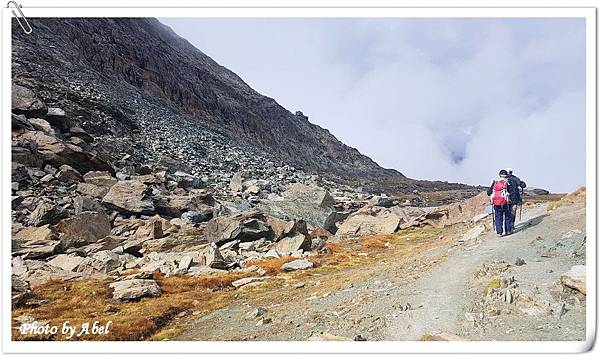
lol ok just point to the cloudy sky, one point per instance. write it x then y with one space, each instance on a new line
438 99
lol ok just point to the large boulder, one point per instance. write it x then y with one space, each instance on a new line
245 226
369 220
133 289
130 197
175 205
86 227
575 278
66 262
454 213
25 101
56 152
282 228
296 265
303 202
289 245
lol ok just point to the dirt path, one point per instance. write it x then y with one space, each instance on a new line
447 296
437 290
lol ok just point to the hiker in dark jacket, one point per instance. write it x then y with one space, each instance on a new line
500 199
515 186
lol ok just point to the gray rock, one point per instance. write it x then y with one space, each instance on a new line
302 202
129 197
92 190
56 112
291 244
197 217
575 278
37 249
296 265
25 101
213 256
47 213
100 178
86 227
185 263
245 226
176 205
235 184
66 262
134 289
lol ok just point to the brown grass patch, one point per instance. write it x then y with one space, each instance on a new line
271 265
84 301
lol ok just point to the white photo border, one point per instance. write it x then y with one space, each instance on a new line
589 13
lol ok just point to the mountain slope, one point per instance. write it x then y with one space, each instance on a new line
124 75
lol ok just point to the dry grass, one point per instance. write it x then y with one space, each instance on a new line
542 198
85 301
578 196
271 265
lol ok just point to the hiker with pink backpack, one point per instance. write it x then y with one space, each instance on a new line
501 203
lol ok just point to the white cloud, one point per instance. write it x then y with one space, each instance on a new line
439 99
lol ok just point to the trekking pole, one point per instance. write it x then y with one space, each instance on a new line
493 218
520 211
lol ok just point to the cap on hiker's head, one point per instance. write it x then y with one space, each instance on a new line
509 170
503 173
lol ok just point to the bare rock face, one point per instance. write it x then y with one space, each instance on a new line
134 289
575 278
129 197
25 101
86 227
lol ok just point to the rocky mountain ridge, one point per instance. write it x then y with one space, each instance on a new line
135 80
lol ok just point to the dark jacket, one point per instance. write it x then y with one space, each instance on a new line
514 189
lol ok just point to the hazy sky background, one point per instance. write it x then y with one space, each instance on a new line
437 99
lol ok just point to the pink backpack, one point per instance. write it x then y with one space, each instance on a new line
500 194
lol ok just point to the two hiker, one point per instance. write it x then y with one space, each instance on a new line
505 198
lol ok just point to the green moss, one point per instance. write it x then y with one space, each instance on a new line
494 283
